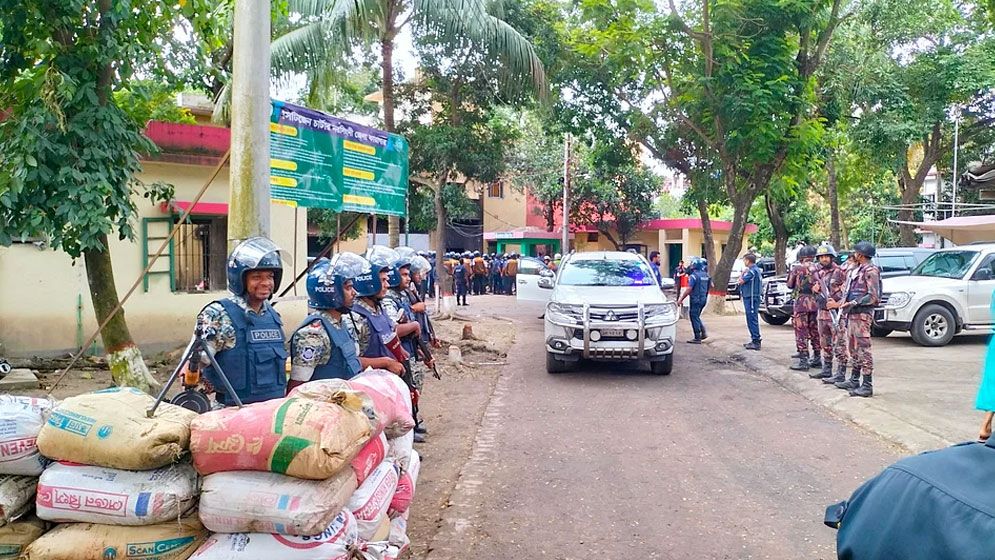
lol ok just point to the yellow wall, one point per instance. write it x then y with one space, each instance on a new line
500 214
40 290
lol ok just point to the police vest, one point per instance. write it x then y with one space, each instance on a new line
343 363
699 292
256 366
401 301
380 330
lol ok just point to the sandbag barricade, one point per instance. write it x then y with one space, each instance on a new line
109 428
83 493
17 535
16 494
298 437
172 540
21 418
391 398
257 502
369 458
372 500
338 391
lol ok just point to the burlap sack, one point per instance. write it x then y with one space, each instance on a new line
298 437
258 502
109 428
14 537
339 392
16 496
88 541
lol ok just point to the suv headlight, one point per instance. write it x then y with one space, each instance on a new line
660 314
563 313
897 300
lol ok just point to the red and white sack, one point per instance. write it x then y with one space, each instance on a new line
257 502
371 501
16 494
334 543
338 391
369 458
400 449
398 539
70 492
294 436
21 418
391 398
406 485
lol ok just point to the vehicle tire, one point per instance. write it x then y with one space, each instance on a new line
878 332
772 320
554 365
664 366
933 325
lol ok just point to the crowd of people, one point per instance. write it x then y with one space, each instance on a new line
479 273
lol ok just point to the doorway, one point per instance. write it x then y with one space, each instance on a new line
675 253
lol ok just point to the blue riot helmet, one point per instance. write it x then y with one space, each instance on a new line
404 257
420 265
327 280
699 263
255 253
381 258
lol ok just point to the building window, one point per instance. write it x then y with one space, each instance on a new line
201 254
592 237
495 190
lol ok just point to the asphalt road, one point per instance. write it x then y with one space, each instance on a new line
614 462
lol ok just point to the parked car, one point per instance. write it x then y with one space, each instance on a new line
530 270
777 305
767 266
948 293
607 305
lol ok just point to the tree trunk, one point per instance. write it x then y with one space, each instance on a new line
387 69
909 189
780 233
706 229
834 203
442 278
741 213
128 369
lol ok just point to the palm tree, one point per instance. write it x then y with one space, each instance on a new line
319 32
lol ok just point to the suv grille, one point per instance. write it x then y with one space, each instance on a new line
618 314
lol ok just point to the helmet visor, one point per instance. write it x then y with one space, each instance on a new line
420 265
252 251
381 257
349 265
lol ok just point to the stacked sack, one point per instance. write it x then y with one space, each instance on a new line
308 477
117 487
21 418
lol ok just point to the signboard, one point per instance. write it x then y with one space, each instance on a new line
320 161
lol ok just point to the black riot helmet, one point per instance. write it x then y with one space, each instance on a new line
806 252
865 248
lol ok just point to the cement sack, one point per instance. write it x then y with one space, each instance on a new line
16 495
256 502
71 492
334 543
21 418
400 449
338 391
15 536
292 436
391 398
109 428
406 485
371 501
88 541
372 455
398 538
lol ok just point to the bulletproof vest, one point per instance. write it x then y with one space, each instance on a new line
824 277
343 363
380 328
857 288
478 267
700 290
256 366
422 318
496 266
460 272
402 301
512 267
803 279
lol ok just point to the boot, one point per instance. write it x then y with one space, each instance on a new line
866 388
816 361
853 382
796 355
754 345
840 376
802 364
825 373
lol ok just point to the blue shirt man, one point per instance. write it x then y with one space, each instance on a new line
699 283
655 265
749 289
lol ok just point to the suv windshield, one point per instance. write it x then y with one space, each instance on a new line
946 264
606 272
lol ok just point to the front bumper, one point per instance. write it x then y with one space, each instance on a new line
891 319
573 341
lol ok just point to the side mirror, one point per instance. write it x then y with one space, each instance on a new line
667 283
546 282
547 273
982 274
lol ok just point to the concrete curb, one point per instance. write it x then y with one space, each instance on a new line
862 412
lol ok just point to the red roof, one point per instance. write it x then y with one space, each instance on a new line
192 144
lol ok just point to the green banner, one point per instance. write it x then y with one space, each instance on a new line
320 161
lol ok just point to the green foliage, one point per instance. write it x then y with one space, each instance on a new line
799 216
328 222
669 206
422 206
70 151
148 101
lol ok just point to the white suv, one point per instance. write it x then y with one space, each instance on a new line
608 305
949 292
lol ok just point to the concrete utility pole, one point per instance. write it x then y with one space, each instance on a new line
953 211
249 198
565 242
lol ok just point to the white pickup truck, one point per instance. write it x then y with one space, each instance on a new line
948 293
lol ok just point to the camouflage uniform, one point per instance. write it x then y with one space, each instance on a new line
310 346
804 317
395 310
217 325
863 287
831 338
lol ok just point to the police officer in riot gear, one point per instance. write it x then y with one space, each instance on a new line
324 347
373 328
699 283
243 330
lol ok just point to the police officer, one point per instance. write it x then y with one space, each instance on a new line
827 283
243 330
479 268
461 282
699 283
373 329
804 318
511 274
323 347
749 291
419 267
497 263
431 274
863 292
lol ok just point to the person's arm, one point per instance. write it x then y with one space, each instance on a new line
407 328
746 275
419 307
792 277
388 364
